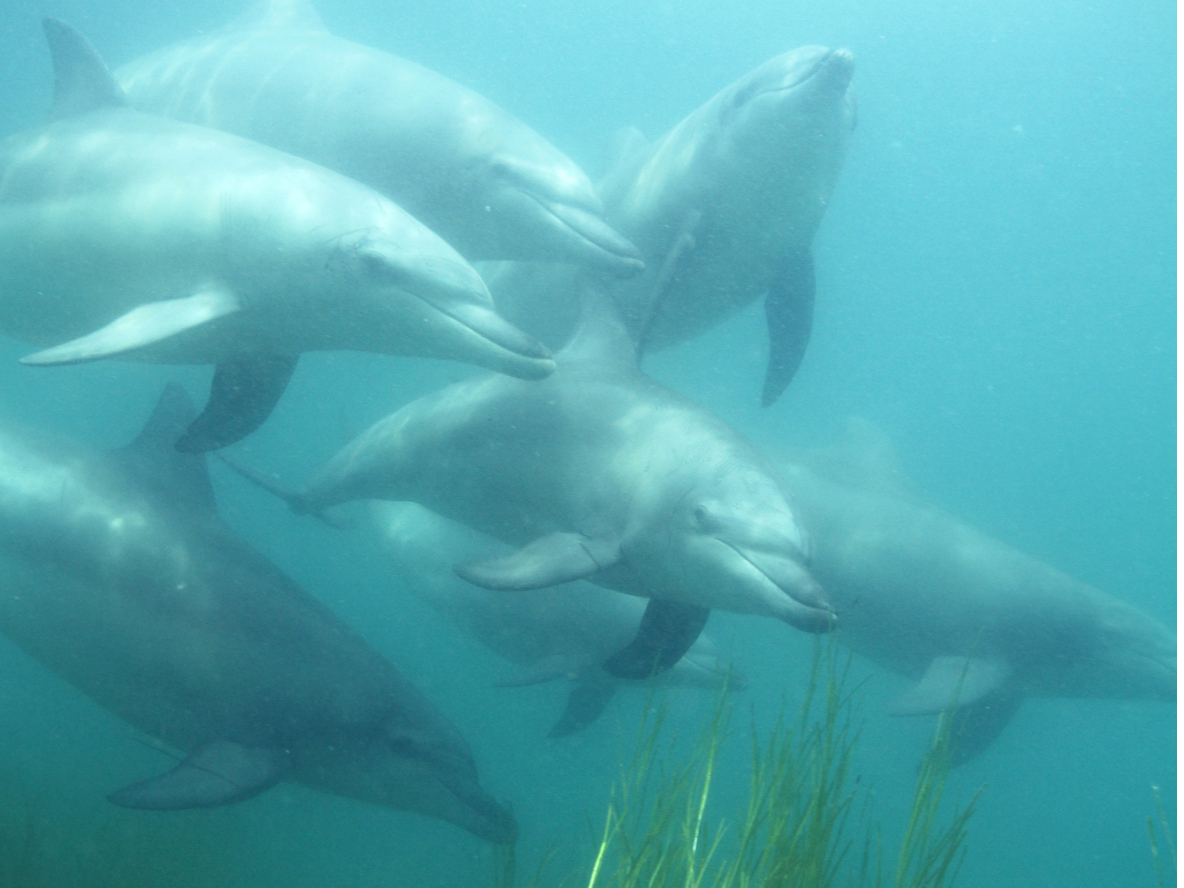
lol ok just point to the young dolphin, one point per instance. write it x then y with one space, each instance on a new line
724 208
483 180
597 473
932 598
118 575
132 236
560 633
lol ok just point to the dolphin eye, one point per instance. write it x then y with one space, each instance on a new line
700 514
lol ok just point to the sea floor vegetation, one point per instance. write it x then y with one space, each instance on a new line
806 823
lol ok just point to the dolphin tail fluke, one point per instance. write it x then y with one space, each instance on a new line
667 631
584 705
216 774
789 309
242 396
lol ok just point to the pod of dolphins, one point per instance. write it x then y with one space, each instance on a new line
270 189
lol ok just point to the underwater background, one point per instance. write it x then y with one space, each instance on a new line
996 289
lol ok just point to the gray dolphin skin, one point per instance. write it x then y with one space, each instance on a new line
598 473
477 176
132 236
118 575
931 598
550 634
724 209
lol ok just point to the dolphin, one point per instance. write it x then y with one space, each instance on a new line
483 180
119 576
724 208
963 615
552 633
597 473
128 235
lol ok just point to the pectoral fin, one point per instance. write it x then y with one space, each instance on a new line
584 705
140 327
217 774
952 681
667 631
673 262
242 396
977 725
789 309
548 561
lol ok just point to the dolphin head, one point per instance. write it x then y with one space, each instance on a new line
434 304
550 198
737 536
1125 654
792 116
424 768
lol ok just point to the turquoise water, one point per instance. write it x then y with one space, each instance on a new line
996 290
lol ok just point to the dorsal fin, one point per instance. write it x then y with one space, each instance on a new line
279 15
863 457
82 82
600 336
182 479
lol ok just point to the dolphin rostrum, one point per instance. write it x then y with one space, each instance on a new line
480 178
118 575
128 235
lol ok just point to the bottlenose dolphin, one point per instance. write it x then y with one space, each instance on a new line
138 237
724 208
566 632
598 473
931 598
118 575
483 180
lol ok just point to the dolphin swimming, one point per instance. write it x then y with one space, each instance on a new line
477 176
724 208
132 236
963 615
597 473
566 632
117 574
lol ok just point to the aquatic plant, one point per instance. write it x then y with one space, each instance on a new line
1168 831
798 827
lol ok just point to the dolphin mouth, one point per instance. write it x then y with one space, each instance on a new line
606 248
489 820
809 609
527 358
832 70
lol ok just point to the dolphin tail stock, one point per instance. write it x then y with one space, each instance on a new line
667 631
585 703
294 499
242 395
789 310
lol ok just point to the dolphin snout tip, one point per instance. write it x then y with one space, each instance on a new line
838 68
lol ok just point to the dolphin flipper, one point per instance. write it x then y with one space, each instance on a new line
675 258
953 681
584 705
144 325
548 561
667 631
976 726
789 309
217 774
242 396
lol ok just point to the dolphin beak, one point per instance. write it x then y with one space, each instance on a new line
603 247
517 353
808 608
483 816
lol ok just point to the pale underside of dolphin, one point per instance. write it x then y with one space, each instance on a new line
132 236
118 575
560 633
596 473
968 618
724 209
479 177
